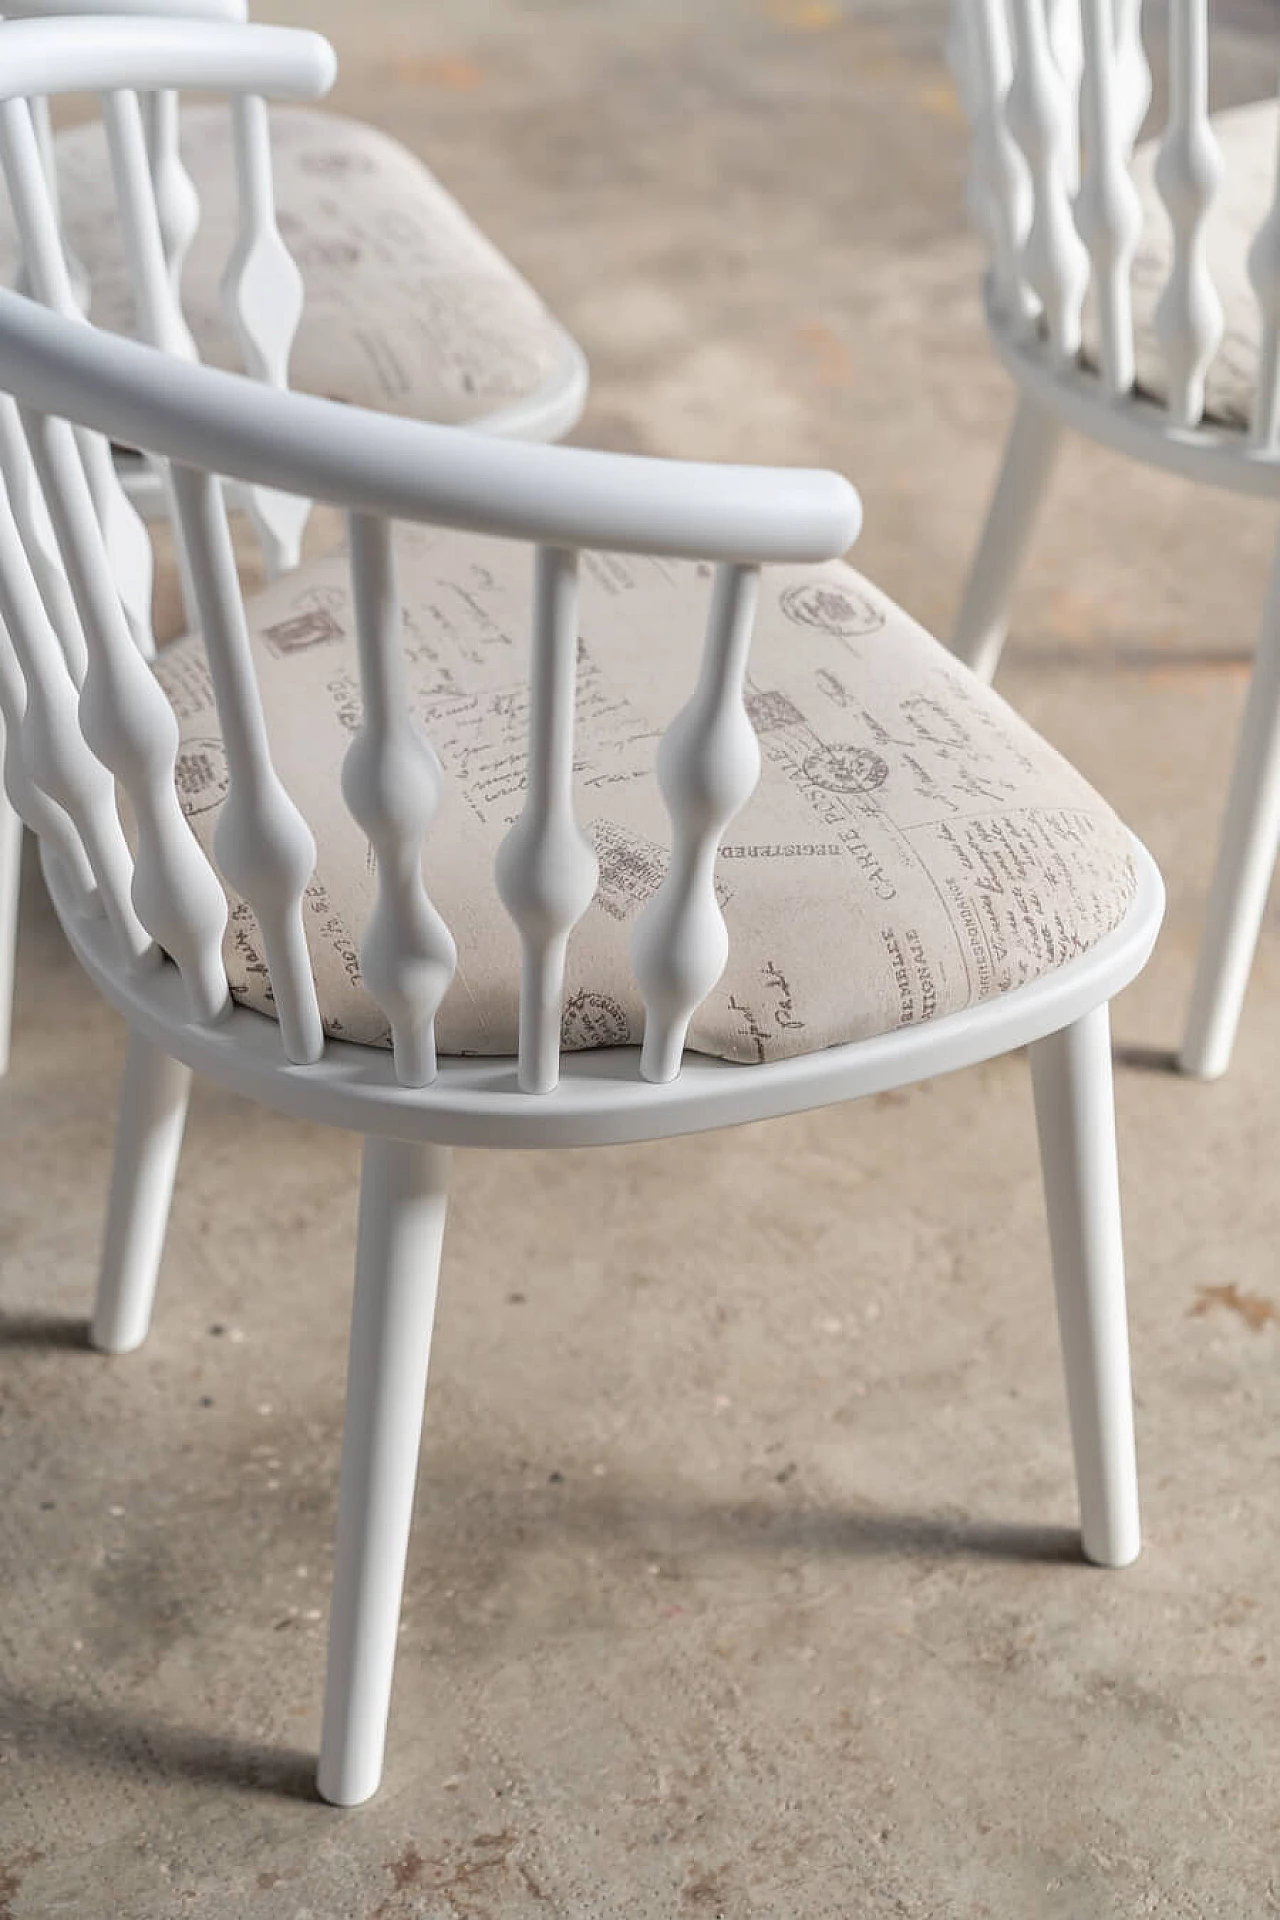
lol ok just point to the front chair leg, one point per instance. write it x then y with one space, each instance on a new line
152 1113
1029 457
1075 1117
403 1190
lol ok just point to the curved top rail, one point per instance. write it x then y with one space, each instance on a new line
406 469
87 55
234 12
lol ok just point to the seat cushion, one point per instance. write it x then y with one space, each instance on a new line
409 308
913 846
1247 137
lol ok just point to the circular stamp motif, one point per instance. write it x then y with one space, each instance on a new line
843 769
839 610
201 777
593 1020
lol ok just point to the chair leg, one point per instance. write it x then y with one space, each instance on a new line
10 880
1246 859
983 619
403 1192
1075 1117
153 1109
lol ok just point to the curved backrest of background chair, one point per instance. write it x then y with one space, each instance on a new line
1057 91
65 754
120 59
264 319
261 294
263 332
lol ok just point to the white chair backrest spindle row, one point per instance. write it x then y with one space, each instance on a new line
49 279
1188 315
1108 212
559 501
1040 124
71 379
81 629
1041 115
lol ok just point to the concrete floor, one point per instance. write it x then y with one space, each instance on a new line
744 1580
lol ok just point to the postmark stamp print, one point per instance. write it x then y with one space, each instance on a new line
832 608
846 769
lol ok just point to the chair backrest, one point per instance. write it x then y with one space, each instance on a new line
51 45
1058 91
83 710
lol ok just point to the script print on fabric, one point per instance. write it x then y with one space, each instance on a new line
913 847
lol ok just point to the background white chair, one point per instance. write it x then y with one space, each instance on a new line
1135 297
172 939
445 329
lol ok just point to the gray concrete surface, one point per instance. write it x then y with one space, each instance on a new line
743 1580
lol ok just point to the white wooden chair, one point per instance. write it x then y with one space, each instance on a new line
265 240
532 934
1134 295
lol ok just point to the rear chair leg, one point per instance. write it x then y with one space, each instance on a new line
153 1110
983 619
403 1192
1075 1117
1246 860
10 880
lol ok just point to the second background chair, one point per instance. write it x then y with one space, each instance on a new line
1133 293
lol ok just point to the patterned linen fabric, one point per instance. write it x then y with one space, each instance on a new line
913 847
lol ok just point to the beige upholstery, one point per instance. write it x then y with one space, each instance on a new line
1248 137
409 307
913 846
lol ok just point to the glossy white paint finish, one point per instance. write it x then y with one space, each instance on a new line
708 766
1132 83
35 528
999 189
1188 317
263 846
1041 119
176 201
1107 210
546 867
1246 862
73 802
403 1196
10 878
262 297
1075 1117
46 270
149 1124
24 801
129 728
1264 274
1029 460
391 782
407 469
89 54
